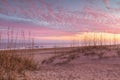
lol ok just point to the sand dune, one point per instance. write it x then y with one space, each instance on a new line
78 65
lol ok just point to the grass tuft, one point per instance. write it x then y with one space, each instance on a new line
12 64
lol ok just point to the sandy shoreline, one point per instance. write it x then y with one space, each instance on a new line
80 67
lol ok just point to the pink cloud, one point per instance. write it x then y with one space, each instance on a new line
109 7
106 2
38 30
69 22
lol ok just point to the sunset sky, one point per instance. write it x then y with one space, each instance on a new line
60 19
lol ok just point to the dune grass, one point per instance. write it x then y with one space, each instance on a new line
12 64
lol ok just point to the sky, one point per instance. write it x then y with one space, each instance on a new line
60 19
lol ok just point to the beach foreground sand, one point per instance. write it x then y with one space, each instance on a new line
87 71
80 67
93 63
